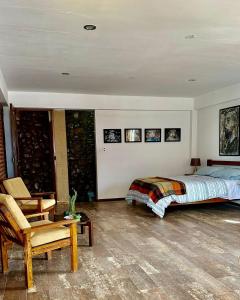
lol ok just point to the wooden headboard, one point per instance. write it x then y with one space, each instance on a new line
211 162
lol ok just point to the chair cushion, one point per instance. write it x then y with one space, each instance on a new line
32 204
41 222
49 235
16 187
15 211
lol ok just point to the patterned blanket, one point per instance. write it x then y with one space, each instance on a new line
158 187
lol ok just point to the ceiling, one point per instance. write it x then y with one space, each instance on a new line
138 48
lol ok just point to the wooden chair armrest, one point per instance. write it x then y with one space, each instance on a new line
44 194
49 226
38 199
37 215
27 198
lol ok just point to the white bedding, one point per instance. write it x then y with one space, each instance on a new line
233 187
197 188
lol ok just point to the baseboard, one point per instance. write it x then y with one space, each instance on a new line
110 199
96 200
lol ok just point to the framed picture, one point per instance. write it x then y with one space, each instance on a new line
133 135
112 135
152 135
229 131
172 135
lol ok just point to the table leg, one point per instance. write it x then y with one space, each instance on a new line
89 224
82 229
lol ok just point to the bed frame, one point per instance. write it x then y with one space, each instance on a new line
210 162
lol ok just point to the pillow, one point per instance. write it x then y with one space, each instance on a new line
207 171
227 173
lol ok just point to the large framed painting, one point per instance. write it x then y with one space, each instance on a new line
229 131
112 135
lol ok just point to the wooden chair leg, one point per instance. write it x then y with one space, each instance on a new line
28 262
52 212
46 217
74 250
4 254
48 255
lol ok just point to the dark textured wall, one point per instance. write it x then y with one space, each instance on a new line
80 129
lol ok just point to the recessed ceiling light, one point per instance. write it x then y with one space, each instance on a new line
65 73
192 79
190 36
89 27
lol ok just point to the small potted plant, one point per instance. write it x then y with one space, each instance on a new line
71 212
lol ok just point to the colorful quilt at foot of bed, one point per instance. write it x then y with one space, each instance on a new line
158 187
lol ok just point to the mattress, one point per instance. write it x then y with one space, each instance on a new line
198 188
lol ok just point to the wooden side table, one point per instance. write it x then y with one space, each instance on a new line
83 222
86 222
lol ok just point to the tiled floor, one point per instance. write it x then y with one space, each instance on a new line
193 253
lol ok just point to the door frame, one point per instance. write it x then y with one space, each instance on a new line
4 140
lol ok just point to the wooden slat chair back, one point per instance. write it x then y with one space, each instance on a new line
8 226
28 202
36 237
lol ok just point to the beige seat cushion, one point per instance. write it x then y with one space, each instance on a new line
41 222
49 235
15 211
16 187
32 204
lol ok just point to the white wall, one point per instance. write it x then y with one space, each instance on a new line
8 141
224 95
119 164
87 101
208 106
3 90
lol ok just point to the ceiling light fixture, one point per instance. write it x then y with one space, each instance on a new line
192 80
90 27
190 36
65 73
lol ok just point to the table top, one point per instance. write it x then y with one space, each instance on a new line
83 220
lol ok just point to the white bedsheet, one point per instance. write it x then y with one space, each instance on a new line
197 188
233 187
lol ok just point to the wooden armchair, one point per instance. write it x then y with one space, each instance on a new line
36 237
29 203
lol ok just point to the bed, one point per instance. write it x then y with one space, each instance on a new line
193 189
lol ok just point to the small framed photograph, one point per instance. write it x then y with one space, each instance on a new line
152 135
172 135
112 135
133 135
229 139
